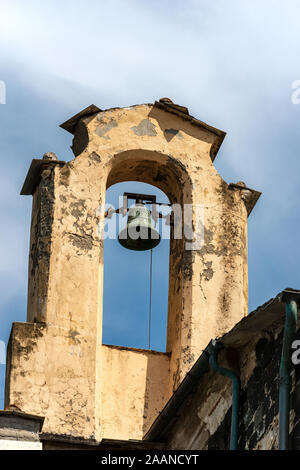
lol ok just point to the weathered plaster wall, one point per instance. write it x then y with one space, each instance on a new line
46 376
135 389
45 371
40 247
208 285
205 419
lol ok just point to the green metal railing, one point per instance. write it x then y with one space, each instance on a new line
285 369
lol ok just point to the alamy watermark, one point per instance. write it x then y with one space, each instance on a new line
2 352
187 222
2 92
296 353
295 96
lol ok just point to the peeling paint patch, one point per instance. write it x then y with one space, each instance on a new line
103 129
145 127
170 133
208 272
84 242
187 264
94 157
72 335
26 339
77 208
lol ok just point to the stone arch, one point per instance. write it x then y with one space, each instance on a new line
155 168
167 174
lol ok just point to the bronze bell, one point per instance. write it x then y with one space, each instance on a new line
139 233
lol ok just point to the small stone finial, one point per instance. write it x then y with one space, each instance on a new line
49 156
245 193
166 100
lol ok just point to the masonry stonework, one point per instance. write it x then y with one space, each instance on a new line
203 420
57 365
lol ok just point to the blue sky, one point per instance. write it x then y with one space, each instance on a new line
231 62
127 283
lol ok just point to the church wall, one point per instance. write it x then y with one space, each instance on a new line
135 389
205 419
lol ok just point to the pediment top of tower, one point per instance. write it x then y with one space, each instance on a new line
166 104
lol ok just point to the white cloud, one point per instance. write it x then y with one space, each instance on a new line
231 62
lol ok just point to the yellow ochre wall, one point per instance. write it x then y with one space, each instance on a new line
57 365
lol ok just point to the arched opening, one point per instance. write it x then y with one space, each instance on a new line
135 288
169 175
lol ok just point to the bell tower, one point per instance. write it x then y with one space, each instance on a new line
57 366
